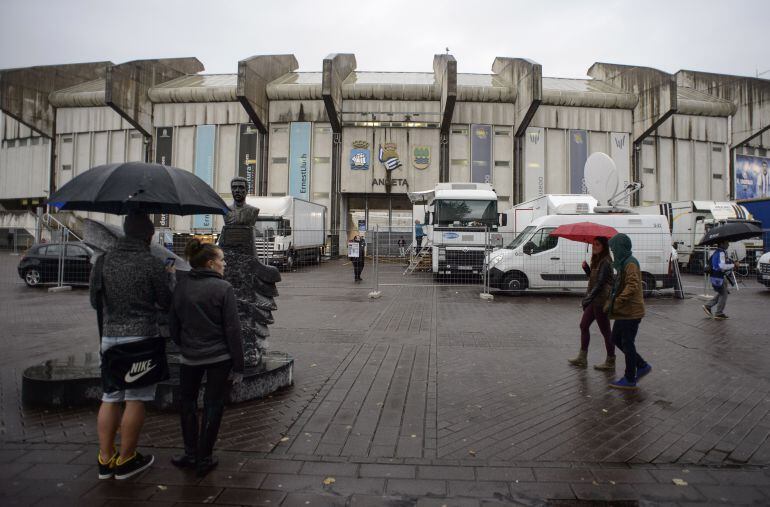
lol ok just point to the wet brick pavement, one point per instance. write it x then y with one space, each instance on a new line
426 396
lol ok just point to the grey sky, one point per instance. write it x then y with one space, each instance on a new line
566 37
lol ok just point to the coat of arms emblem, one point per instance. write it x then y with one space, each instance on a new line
388 155
360 156
421 157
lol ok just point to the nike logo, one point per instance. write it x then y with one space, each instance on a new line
138 370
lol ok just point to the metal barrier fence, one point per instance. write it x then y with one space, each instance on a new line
487 260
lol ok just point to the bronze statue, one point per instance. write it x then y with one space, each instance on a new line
240 212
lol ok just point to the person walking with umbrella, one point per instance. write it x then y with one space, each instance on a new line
599 274
720 267
626 307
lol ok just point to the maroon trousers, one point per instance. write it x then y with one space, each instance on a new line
594 313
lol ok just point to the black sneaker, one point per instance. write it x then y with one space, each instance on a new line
106 470
707 310
133 466
721 316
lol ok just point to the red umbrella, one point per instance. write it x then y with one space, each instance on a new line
584 232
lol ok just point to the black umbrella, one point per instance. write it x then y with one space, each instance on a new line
138 186
731 231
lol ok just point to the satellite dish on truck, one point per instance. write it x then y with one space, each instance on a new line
601 181
601 177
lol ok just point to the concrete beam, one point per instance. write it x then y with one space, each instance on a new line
126 86
526 78
253 75
656 91
336 68
445 70
749 95
24 92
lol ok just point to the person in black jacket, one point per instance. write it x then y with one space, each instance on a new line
204 323
599 286
358 262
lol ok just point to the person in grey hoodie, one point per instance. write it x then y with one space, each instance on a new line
128 286
204 323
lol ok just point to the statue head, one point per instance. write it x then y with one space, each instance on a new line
239 187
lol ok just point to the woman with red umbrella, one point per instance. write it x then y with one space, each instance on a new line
599 274
600 282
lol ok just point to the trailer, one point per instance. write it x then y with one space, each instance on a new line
289 231
688 222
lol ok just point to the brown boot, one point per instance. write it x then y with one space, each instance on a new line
607 365
581 359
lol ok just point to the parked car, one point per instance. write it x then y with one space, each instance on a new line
40 264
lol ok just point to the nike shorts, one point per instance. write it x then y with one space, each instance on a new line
146 393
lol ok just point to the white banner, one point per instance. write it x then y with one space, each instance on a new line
534 163
620 153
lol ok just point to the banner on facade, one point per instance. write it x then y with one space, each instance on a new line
578 154
247 155
299 160
164 145
620 153
481 153
204 167
534 163
752 177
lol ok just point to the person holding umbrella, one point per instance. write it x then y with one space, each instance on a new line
720 266
599 274
626 307
127 287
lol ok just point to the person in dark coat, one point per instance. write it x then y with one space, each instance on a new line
205 324
599 286
358 262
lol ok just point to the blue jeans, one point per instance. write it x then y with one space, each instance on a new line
624 338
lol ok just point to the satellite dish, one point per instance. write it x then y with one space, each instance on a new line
601 177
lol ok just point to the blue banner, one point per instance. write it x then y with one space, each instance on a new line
481 153
204 167
578 154
752 177
299 160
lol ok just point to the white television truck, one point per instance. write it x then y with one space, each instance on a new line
288 230
459 217
537 260
689 221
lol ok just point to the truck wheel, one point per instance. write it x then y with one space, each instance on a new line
317 257
696 266
515 283
648 285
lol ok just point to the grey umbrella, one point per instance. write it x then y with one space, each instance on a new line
102 236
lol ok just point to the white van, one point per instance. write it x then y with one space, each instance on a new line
537 260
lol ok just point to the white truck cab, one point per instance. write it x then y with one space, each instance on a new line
537 260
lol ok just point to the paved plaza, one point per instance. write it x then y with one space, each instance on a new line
428 396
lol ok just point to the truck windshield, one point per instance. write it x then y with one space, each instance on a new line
466 213
521 238
267 228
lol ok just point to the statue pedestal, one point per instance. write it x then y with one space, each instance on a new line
75 382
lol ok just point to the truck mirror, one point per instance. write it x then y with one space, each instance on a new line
528 248
502 219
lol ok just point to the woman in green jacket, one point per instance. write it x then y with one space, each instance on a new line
626 308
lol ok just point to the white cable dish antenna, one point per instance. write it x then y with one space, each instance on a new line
601 181
601 177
